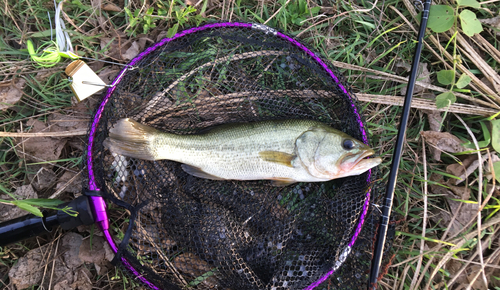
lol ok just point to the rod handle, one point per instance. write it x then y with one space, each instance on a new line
26 227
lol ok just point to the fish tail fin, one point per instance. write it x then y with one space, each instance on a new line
130 138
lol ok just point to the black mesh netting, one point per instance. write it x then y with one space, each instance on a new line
206 234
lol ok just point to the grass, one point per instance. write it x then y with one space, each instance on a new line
378 37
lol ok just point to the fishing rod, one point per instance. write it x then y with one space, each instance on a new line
396 156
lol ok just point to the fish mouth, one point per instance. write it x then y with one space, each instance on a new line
365 154
353 161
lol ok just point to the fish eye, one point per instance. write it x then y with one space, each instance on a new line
348 144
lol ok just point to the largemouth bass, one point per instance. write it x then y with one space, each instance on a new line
285 151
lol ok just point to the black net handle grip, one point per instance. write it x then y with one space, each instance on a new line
28 226
396 157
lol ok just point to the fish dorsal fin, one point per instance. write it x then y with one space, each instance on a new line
196 171
282 181
277 157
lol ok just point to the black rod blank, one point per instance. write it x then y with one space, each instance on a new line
396 157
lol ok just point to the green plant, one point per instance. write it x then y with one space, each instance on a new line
297 13
32 205
290 15
147 20
441 19
182 15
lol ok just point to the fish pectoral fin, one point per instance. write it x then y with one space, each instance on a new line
277 157
278 181
196 171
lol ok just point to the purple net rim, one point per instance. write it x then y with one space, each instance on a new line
99 204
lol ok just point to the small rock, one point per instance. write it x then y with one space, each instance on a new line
71 243
96 253
28 270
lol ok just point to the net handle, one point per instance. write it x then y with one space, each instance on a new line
396 157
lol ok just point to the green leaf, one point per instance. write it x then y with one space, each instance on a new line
298 21
173 30
445 99
470 24
495 135
43 202
201 278
446 77
470 3
486 134
29 208
424 238
315 10
42 33
463 81
133 22
481 144
441 18
129 13
496 168
367 24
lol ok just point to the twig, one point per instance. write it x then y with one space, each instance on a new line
57 193
421 103
405 81
424 222
338 15
492 256
466 265
44 134
474 56
490 194
67 18
479 197
405 271
459 242
53 264
275 13
162 255
475 263
486 46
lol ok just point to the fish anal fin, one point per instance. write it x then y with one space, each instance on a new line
277 157
196 171
282 181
